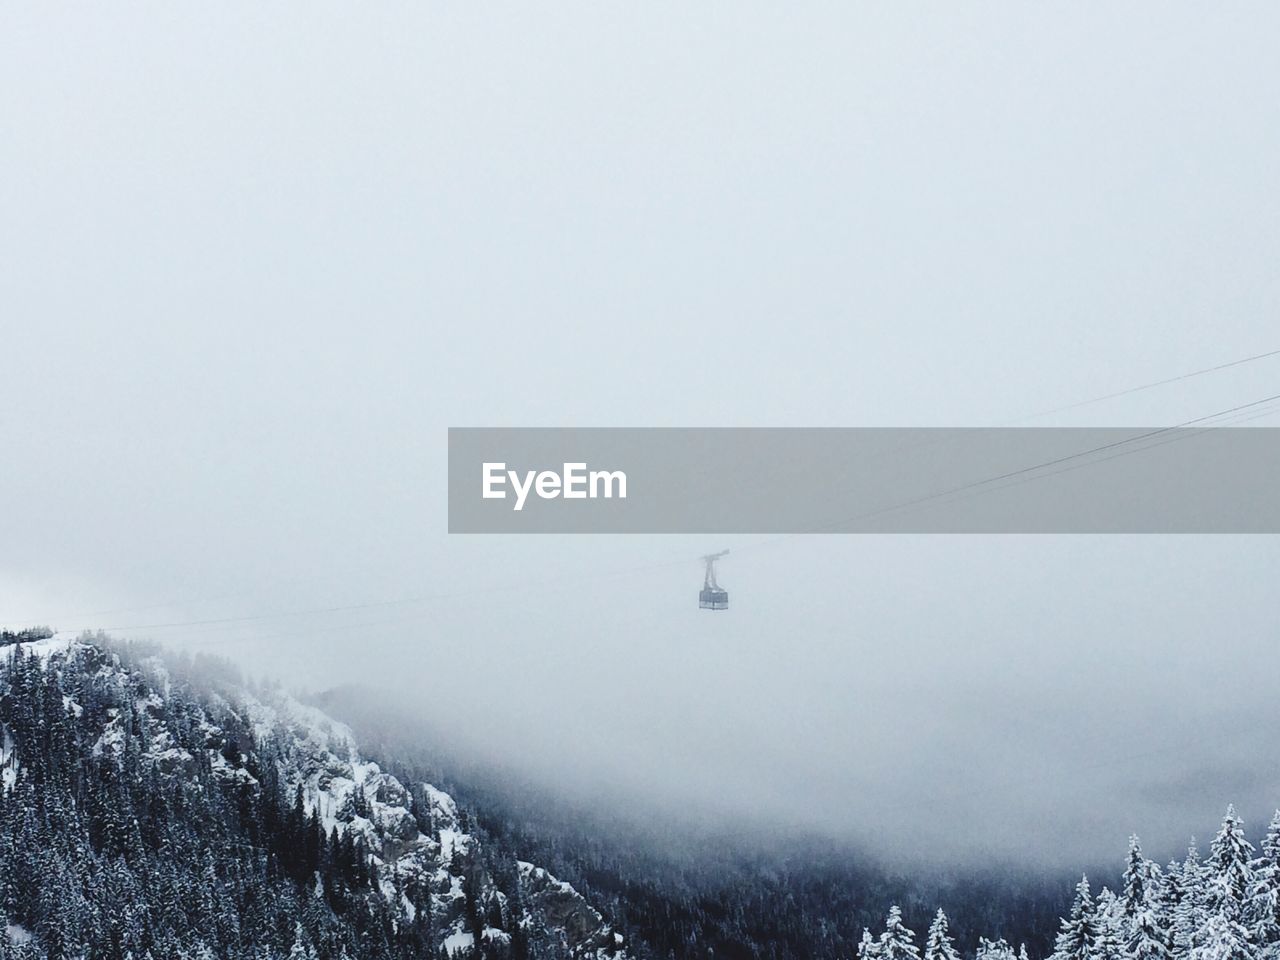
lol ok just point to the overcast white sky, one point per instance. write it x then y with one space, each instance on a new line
255 260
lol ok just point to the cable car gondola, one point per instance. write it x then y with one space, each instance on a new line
712 596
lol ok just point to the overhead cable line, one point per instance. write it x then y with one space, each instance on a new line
1028 472
1151 386
461 594
1035 468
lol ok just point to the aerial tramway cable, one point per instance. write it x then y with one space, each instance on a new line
1032 472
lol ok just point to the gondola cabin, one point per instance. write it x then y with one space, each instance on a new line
713 599
712 596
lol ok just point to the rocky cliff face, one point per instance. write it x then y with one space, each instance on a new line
416 834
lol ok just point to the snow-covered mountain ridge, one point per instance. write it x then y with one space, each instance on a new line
156 808
412 840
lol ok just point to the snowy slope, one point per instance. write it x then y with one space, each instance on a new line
411 834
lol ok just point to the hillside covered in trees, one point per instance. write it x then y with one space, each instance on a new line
161 808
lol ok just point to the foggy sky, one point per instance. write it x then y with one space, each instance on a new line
255 261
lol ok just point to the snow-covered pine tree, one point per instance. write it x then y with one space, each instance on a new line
938 944
1134 894
1230 869
868 949
1078 935
1110 942
1149 939
1171 894
1263 909
1222 938
1189 914
898 940
1271 843
1143 926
